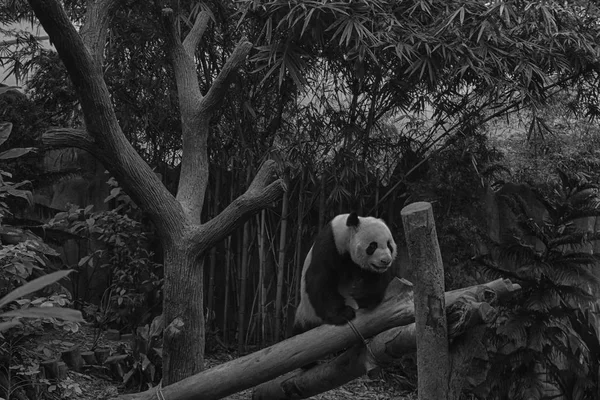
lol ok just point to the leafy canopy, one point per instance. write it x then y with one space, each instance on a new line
445 53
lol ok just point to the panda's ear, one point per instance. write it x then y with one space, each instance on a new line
352 220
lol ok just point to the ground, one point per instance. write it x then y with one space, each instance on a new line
97 383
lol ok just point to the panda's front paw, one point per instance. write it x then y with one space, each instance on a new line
342 316
348 313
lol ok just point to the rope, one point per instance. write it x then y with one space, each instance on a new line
159 393
362 338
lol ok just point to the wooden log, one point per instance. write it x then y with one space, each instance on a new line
89 357
295 352
465 310
101 355
62 371
250 370
433 356
72 357
50 368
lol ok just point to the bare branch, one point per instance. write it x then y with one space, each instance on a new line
59 138
195 35
264 190
219 87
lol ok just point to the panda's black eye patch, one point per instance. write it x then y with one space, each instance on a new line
372 247
390 246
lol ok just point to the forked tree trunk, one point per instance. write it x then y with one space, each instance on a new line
184 236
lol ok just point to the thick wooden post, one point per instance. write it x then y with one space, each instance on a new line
433 360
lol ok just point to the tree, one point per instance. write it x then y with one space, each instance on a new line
465 61
184 237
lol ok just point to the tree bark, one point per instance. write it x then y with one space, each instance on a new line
433 361
183 340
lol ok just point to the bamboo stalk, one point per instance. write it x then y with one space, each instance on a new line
280 266
242 288
298 251
213 251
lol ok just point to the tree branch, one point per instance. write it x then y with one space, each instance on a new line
95 28
219 87
59 138
102 124
195 35
264 190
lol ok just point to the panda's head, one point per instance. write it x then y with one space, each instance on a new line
368 240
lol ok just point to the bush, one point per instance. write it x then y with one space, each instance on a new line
545 341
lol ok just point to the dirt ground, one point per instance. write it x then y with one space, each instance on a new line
96 384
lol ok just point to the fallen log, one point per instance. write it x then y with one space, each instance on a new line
264 365
295 352
466 308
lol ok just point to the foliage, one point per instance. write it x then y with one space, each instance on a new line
46 311
500 48
146 360
547 334
534 143
123 250
66 389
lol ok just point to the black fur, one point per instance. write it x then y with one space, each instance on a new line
327 270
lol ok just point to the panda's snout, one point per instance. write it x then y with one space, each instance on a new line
385 261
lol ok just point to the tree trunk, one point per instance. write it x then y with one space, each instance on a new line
433 363
183 342
280 267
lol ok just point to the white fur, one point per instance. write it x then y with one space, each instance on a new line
305 311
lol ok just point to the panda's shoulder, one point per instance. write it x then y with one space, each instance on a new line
340 232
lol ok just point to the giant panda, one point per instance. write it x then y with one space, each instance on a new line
348 267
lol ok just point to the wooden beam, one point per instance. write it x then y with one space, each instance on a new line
433 358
